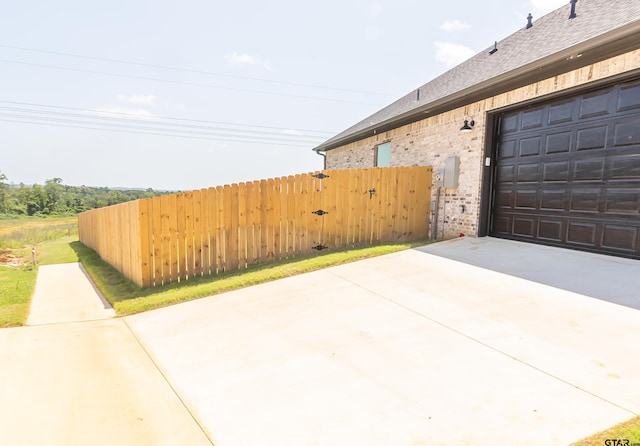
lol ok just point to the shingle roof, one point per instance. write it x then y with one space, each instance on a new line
528 49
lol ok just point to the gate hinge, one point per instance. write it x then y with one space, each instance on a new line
319 212
321 175
319 247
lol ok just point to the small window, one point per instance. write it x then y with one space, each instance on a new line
383 155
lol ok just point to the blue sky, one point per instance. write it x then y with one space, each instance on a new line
192 94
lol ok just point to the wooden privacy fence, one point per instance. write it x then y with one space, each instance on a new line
158 240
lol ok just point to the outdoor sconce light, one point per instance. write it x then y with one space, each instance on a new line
468 125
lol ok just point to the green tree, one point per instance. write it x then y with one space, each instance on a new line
3 193
54 191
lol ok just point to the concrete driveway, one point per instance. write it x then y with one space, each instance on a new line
412 348
426 346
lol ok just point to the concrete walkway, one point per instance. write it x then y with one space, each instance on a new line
64 293
81 378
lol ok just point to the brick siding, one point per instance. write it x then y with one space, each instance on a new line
431 140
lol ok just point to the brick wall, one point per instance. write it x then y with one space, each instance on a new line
430 141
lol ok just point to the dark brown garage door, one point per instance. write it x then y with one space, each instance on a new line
568 173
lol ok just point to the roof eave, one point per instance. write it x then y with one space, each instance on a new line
608 45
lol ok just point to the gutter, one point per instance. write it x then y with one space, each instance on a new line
605 46
324 155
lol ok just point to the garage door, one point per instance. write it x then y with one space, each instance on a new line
568 173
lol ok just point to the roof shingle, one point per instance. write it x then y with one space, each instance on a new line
550 35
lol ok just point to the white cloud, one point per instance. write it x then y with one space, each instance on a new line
174 108
372 31
138 99
542 7
237 59
375 9
454 25
126 110
452 54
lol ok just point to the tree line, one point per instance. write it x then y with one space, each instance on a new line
55 198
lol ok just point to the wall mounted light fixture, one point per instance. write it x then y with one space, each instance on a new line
468 125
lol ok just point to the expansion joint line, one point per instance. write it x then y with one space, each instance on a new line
484 344
173 389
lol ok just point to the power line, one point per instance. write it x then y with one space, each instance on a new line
193 84
187 70
151 133
168 117
109 125
171 126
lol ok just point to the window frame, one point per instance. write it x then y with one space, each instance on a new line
376 158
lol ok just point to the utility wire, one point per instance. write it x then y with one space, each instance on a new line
107 125
149 121
193 84
152 133
186 70
168 118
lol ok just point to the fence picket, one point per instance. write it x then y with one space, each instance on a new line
197 234
204 232
291 216
176 237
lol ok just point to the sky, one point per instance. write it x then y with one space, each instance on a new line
189 94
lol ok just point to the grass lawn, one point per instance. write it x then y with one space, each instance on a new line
127 298
16 287
52 240
629 430
17 233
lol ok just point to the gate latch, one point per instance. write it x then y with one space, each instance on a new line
372 192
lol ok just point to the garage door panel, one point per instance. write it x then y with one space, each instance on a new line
558 143
625 167
592 138
558 171
528 172
550 230
629 98
502 225
507 173
582 233
509 124
627 133
529 147
504 199
585 201
532 119
524 227
619 237
561 113
589 170
526 199
567 173
623 201
507 149
595 105
553 200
